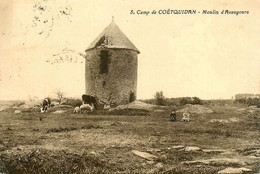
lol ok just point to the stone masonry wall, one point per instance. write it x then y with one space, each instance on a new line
115 86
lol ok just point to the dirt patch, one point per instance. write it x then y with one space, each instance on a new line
117 123
66 129
60 129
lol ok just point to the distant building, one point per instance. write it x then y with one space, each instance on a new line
111 67
246 96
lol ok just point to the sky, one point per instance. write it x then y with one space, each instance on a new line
205 55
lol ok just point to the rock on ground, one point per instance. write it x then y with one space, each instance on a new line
17 111
177 147
234 170
217 161
163 157
2 147
59 112
157 168
144 155
192 148
255 152
230 120
214 150
234 119
159 110
137 105
153 150
159 165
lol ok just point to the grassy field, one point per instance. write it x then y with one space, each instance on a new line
93 143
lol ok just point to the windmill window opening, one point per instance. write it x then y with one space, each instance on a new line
104 62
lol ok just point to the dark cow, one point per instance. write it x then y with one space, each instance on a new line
89 99
45 104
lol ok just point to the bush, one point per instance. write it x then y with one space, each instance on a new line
253 102
193 101
73 102
184 101
170 102
249 101
60 96
196 101
241 100
159 98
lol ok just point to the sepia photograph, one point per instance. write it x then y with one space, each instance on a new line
116 86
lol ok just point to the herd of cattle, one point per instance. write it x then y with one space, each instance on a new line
89 103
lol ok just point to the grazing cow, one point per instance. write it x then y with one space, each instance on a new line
45 104
186 116
86 107
89 99
76 110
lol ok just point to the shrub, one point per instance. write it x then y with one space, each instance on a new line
196 101
183 101
249 101
60 95
170 102
73 102
193 101
241 100
253 102
159 98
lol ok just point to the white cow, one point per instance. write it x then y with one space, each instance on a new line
86 107
76 110
44 110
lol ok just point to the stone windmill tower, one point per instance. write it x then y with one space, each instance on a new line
111 67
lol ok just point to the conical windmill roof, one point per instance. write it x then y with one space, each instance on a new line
112 37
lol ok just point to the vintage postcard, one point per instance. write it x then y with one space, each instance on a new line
129 86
